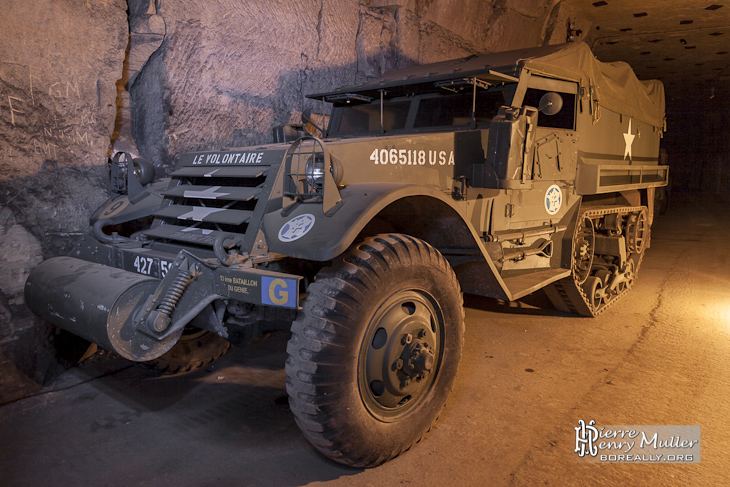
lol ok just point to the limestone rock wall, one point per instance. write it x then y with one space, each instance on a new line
228 71
59 66
161 77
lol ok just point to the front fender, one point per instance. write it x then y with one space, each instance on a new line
306 233
124 208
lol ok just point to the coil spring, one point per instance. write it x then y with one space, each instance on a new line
173 295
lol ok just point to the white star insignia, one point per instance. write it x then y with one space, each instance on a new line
629 139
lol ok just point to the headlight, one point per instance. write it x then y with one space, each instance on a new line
314 171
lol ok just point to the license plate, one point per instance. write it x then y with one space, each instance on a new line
148 266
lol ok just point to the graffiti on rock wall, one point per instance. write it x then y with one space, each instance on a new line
46 119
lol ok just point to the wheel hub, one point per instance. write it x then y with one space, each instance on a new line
417 359
400 354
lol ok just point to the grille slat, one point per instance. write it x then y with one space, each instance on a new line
206 214
207 200
221 172
228 193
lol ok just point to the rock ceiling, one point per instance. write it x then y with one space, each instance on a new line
681 42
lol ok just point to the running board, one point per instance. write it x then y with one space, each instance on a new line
520 286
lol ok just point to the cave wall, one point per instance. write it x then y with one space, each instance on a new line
59 64
160 77
697 142
227 72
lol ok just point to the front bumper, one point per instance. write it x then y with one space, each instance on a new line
136 301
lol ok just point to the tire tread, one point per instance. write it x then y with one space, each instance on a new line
314 349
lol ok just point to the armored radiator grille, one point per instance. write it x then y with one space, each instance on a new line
208 200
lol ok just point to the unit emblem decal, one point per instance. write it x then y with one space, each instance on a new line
296 228
553 199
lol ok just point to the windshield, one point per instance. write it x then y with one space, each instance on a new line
415 114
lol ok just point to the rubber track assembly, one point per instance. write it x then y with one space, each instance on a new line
569 294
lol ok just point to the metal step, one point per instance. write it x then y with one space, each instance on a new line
520 286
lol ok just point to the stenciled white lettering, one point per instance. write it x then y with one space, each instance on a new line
410 157
229 158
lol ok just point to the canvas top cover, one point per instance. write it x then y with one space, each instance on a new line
611 85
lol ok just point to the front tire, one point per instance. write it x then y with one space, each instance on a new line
375 350
194 349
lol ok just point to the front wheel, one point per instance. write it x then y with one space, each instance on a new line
194 349
375 350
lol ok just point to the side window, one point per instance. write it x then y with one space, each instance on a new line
366 118
565 119
455 110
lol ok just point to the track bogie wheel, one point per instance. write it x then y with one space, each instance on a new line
593 287
630 273
583 249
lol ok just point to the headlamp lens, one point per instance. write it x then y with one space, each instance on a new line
314 171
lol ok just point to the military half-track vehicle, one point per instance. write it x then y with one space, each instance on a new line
498 175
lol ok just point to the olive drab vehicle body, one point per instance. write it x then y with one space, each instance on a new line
497 174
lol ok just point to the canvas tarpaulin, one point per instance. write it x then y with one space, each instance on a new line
614 85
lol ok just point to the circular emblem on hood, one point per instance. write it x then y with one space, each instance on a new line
553 199
296 228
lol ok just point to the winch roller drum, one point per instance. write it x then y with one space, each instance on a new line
96 302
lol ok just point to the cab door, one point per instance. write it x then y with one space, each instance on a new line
549 200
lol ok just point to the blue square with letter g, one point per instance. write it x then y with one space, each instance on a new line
276 291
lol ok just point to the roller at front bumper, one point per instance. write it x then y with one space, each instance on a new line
141 317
